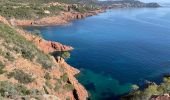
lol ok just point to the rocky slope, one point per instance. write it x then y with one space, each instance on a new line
30 72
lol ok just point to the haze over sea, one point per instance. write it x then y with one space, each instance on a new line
117 48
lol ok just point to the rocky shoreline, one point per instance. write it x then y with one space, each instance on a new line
79 93
48 47
65 17
61 19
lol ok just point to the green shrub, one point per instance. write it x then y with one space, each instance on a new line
1 68
9 89
65 55
47 76
68 98
27 54
16 49
21 76
45 90
2 53
64 77
23 89
48 84
45 61
69 87
9 56
1 65
57 87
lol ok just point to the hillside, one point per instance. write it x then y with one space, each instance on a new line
37 9
27 70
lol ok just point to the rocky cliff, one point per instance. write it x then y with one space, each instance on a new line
27 68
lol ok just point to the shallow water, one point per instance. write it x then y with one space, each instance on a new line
117 48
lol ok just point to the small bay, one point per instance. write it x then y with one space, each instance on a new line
117 48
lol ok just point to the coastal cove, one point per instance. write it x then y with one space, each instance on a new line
116 49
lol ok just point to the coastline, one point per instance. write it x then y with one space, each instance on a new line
61 19
48 47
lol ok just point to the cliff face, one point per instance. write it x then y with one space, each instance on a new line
26 61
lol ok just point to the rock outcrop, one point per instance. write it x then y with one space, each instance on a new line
46 46
80 91
160 97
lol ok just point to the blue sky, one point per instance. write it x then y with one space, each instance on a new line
155 0
160 1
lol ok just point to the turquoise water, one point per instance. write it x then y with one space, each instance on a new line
117 48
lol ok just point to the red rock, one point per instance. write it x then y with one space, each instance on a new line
160 97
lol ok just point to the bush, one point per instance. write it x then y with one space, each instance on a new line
57 87
65 55
47 76
48 84
69 87
23 89
7 89
16 49
44 60
21 76
1 68
2 52
1 65
9 56
64 77
27 54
